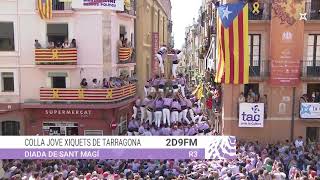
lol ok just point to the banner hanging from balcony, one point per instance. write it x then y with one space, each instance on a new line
287 31
310 110
116 5
45 9
155 48
232 44
251 114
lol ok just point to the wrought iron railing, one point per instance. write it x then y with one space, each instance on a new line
310 68
60 6
259 11
259 68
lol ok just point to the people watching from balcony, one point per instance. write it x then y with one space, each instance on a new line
66 44
37 45
313 98
73 43
106 83
241 98
95 83
51 45
84 83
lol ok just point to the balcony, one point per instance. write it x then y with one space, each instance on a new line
313 10
259 70
59 9
259 11
310 70
125 55
111 95
67 56
129 8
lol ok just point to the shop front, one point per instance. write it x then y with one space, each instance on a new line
72 120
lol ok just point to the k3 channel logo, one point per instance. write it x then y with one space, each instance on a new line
251 115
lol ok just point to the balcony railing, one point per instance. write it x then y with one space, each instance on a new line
313 10
310 69
125 55
259 11
129 8
56 56
259 69
87 95
60 6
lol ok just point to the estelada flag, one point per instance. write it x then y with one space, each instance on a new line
232 44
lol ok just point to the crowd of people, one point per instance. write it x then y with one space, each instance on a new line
254 161
53 45
113 82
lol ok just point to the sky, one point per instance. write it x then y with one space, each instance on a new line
183 12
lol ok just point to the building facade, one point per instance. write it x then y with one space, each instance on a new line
282 104
154 30
285 117
40 87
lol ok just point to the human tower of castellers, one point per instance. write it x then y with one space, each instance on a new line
168 108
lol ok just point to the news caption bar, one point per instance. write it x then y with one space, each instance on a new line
117 147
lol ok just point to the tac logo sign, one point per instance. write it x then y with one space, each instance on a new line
310 110
251 114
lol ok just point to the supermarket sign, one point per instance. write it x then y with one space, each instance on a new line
117 5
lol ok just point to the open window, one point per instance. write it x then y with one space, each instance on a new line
6 36
58 79
57 33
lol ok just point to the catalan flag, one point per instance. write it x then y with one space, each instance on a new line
232 44
45 9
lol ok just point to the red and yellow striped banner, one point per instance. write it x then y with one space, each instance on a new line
232 49
88 95
45 9
124 54
56 56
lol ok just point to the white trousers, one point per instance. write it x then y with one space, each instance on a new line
174 70
174 116
149 117
161 66
183 116
166 116
135 112
146 91
193 117
182 90
158 115
143 114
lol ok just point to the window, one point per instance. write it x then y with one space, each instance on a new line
6 36
57 33
58 79
313 52
255 54
58 82
7 82
10 128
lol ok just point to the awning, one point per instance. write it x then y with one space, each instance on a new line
58 74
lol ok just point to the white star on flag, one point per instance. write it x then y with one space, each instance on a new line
226 13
